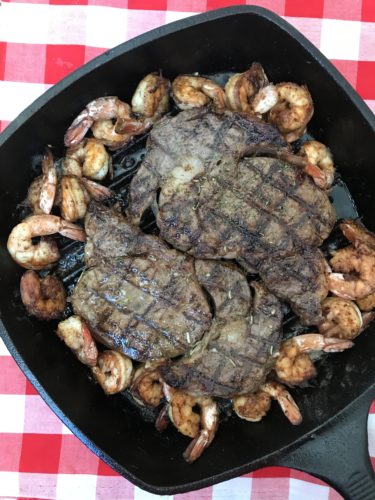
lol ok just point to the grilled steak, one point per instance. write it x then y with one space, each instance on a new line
214 203
138 296
236 354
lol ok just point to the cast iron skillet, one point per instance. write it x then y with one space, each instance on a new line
332 441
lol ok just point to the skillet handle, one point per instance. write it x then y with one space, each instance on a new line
339 454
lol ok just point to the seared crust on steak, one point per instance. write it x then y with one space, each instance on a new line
215 203
138 296
237 354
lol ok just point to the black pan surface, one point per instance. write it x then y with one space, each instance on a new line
332 441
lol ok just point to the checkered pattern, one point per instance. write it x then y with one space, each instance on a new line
41 41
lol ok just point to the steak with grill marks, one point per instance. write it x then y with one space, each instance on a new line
216 203
235 356
138 296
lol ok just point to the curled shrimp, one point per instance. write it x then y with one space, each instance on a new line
293 365
45 253
354 276
319 156
103 108
241 88
253 407
147 384
151 97
265 99
196 91
355 264
200 427
293 110
44 298
89 159
42 191
342 318
113 371
76 193
77 336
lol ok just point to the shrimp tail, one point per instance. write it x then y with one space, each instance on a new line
78 129
197 446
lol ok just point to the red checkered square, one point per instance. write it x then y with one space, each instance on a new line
343 9
12 380
105 470
367 42
147 4
218 4
277 6
3 47
271 472
121 4
368 10
76 458
62 60
296 8
186 6
366 79
10 452
347 68
25 62
30 389
40 453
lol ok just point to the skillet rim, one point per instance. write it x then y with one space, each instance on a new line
47 96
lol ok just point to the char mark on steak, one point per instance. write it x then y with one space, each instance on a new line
138 296
236 355
215 203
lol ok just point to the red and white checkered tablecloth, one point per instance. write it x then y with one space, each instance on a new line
41 41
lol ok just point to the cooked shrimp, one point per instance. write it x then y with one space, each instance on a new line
285 400
49 185
42 191
265 99
89 159
76 335
76 193
33 195
355 272
293 365
342 319
147 385
241 88
201 428
45 253
103 108
74 198
319 156
113 371
196 91
44 298
151 97
367 303
105 131
357 234
252 407
293 110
